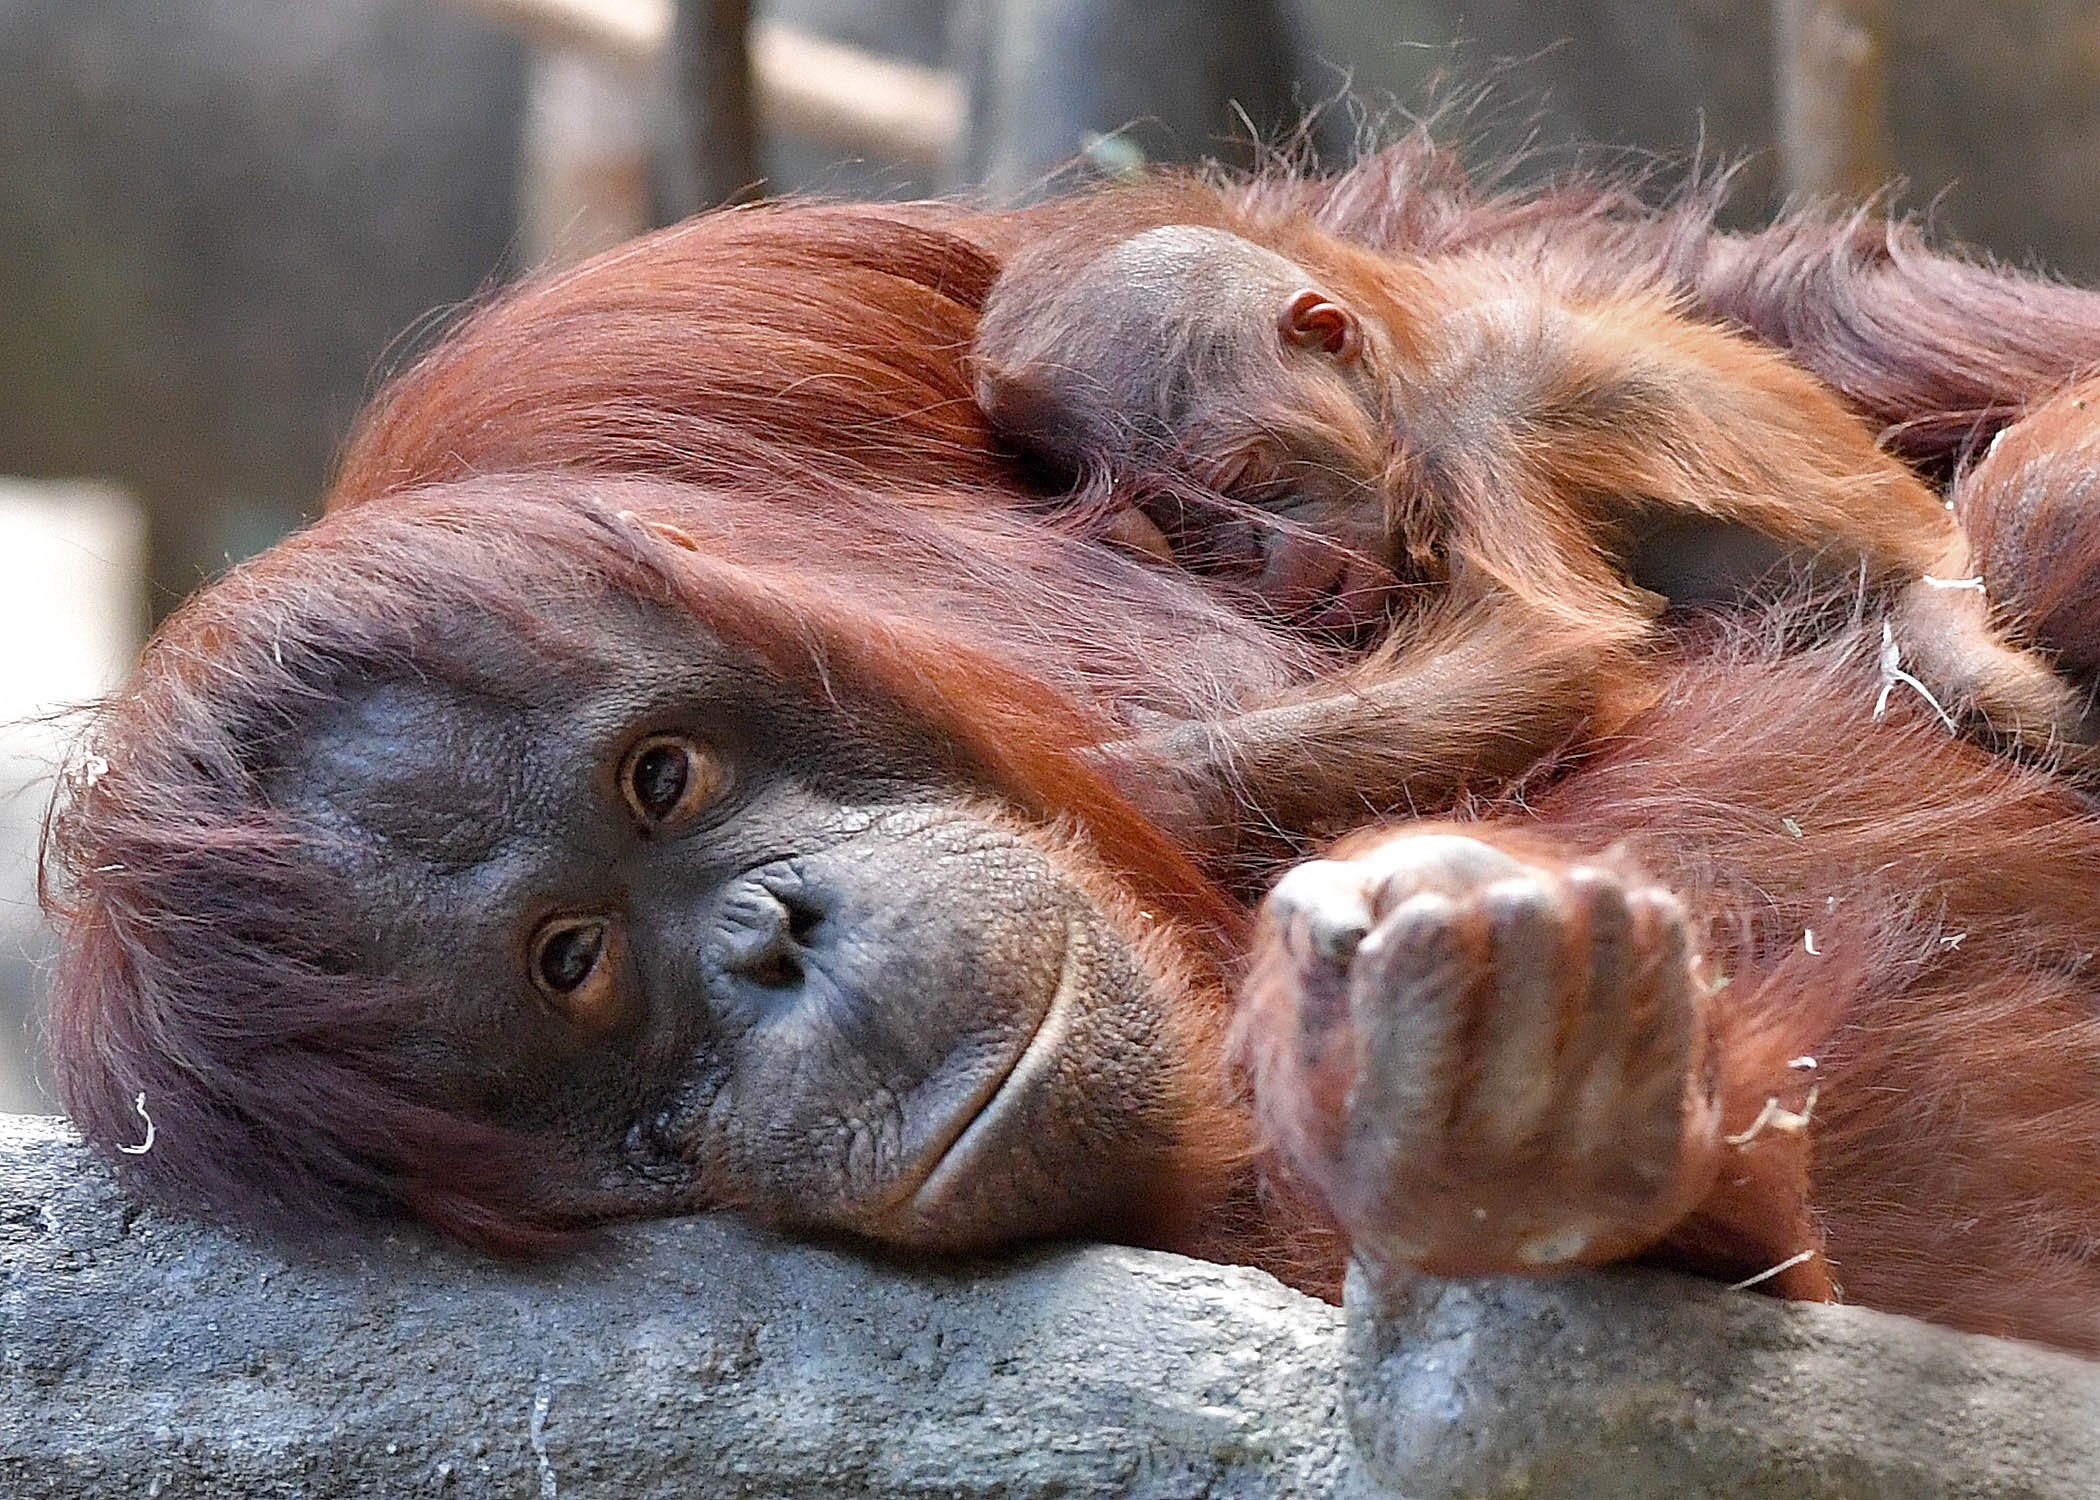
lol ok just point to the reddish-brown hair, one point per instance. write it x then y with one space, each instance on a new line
803 347
785 390
208 966
1939 347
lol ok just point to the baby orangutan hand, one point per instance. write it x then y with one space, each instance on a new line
1486 1059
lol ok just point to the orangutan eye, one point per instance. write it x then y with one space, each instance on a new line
566 956
575 964
667 778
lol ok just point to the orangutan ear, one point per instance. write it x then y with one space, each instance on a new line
1313 320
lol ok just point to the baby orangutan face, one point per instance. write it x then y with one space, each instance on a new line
1227 403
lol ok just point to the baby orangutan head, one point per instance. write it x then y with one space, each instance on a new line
1188 366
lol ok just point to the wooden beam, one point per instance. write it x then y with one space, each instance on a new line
1830 90
590 131
633 31
811 86
802 84
718 129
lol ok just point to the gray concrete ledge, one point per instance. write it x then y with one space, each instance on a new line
1645 1387
142 1354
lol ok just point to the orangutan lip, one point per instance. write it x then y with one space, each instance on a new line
952 1158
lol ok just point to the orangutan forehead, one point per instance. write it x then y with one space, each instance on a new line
423 770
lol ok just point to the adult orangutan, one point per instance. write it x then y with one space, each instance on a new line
685 771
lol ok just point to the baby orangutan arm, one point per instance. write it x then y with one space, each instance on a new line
1470 695
1458 421
1585 453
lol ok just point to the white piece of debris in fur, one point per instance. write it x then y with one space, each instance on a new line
1770 1271
139 1104
1892 673
1776 1116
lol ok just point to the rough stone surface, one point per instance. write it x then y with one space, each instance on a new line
144 1355
1637 1386
140 1355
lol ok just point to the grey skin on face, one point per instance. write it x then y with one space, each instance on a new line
679 918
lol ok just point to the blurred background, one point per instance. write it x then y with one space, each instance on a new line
223 221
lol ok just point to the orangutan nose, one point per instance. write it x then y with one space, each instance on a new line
768 923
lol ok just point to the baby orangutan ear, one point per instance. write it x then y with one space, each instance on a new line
1313 320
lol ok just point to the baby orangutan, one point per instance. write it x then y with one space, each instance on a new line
1327 421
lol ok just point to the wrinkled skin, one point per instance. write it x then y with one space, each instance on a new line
1518 1052
835 990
